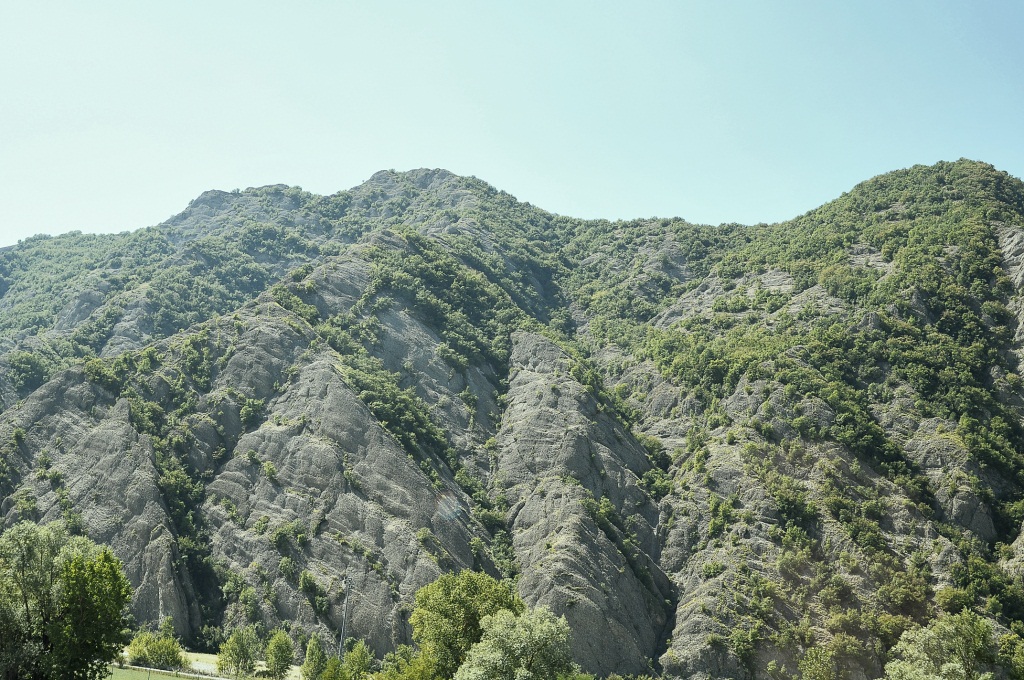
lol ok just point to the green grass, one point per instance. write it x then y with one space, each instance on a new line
132 674
202 664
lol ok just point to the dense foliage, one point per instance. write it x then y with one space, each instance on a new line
160 649
239 653
63 604
279 654
534 644
449 615
469 625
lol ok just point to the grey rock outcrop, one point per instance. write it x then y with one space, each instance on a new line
583 531
710 449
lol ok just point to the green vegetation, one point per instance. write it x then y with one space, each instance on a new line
810 371
239 653
279 654
134 674
157 650
958 646
449 614
534 644
63 604
357 662
469 626
316 661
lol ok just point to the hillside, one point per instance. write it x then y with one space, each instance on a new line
719 447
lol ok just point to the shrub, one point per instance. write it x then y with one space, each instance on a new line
712 569
156 650
251 411
308 584
97 371
953 600
287 568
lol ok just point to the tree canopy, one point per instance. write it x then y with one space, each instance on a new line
63 604
473 627
449 614
279 654
239 652
531 646
316 660
953 647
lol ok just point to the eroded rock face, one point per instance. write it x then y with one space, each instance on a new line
944 458
583 531
355 495
82 456
318 469
355 422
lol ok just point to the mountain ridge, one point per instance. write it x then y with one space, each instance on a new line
726 445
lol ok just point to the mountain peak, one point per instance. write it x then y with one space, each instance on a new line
711 449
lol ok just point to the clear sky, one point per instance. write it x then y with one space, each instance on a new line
113 115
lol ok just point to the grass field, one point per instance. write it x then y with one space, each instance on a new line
202 663
133 674
205 664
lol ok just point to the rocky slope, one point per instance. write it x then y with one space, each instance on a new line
710 448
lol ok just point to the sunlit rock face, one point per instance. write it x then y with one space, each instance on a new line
710 449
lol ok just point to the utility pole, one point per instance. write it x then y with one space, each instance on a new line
344 620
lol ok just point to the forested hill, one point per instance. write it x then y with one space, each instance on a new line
729 452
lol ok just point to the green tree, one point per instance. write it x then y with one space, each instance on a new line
316 661
27 370
332 670
356 665
156 650
448 614
279 655
63 603
20 651
239 652
405 663
818 664
533 645
952 647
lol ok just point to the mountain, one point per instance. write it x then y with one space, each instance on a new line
711 449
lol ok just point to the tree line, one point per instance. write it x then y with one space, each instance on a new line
64 614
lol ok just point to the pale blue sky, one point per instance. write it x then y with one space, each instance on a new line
113 115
